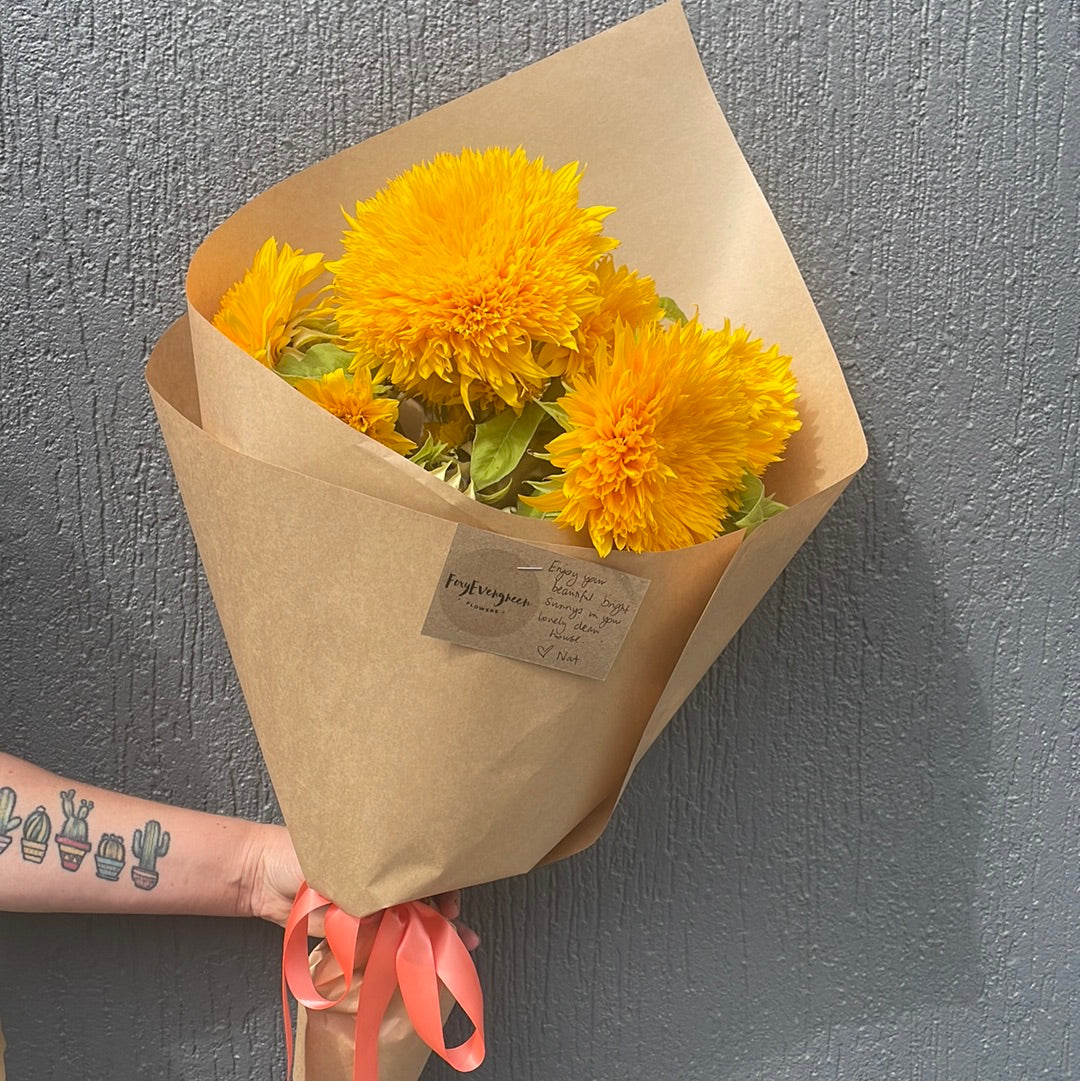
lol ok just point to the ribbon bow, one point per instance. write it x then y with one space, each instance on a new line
415 948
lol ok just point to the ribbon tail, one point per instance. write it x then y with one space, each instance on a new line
342 931
432 953
376 990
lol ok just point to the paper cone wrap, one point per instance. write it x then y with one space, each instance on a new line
405 765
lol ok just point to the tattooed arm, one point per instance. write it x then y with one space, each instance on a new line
70 847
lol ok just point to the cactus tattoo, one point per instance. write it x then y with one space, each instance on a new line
35 838
148 846
9 820
110 857
72 841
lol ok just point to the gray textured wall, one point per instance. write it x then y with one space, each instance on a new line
855 854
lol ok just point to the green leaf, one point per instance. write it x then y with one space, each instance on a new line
500 442
547 485
318 361
672 310
755 506
440 462
451 473
430 455
493 497
557 414
311 331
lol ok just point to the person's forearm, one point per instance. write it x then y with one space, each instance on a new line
71 847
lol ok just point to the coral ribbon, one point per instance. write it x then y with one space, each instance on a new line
415 948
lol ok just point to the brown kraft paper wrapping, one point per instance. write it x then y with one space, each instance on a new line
406 765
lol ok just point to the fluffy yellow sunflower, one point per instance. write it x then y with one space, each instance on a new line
658 440
353 400
451 272
623 296
771 391
260 312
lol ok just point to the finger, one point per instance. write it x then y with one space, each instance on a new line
449 904
469 937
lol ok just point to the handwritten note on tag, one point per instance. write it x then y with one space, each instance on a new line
502 596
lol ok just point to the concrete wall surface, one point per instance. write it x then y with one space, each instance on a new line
855 853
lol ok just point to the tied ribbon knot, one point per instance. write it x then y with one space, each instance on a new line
414 950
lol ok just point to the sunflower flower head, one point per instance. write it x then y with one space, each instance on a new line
352 398
770 390
623 296
657 443
261 311
455 269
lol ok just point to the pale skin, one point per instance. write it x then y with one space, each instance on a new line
207 865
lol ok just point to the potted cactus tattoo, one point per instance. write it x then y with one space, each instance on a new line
148 846
72 839
110 857
8 819
35 838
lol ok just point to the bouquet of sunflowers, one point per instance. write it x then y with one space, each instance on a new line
533 431
542 378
